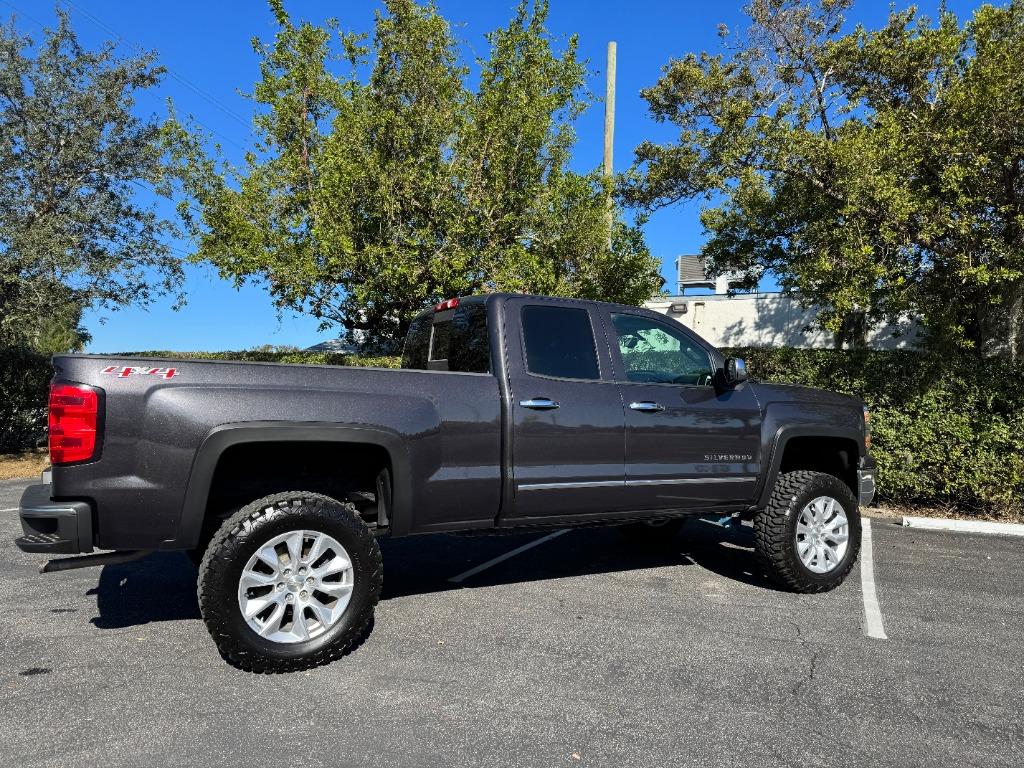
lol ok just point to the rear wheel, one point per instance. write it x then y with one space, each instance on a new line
289 582
808 536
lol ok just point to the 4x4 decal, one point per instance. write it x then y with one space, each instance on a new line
124 371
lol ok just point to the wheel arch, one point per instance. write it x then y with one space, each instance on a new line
227 436
824 448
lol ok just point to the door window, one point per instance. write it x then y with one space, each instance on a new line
656 353
559 342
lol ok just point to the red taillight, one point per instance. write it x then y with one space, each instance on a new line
446 304
74 420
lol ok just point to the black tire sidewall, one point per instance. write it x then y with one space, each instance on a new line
311 514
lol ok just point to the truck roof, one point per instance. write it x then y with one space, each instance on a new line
501 296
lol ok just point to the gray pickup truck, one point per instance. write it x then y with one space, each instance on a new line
510 412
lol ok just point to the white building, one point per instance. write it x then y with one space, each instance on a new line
756 319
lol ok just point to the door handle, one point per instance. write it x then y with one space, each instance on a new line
647 406
539 404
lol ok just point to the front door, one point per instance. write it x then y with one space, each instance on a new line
566 412
689 444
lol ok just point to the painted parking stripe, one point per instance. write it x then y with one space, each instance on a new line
502 558
965 526
873 626
12 509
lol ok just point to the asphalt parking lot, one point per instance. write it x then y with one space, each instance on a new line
577 651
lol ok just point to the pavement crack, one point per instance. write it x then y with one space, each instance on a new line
810 677
799 633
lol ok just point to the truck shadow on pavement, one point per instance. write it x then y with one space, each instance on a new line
162 586
415 566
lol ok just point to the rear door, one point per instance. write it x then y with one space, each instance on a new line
689 444
566 412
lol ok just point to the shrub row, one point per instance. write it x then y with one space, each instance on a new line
279 355
945 431
24 384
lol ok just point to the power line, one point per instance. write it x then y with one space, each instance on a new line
183 80
152 190
121 40
13 7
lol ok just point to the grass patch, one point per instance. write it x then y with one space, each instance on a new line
25 464
890 510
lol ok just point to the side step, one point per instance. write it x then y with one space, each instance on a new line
88 561
45 542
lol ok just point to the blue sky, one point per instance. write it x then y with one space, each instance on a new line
206 47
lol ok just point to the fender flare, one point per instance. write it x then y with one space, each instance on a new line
778 449
225 436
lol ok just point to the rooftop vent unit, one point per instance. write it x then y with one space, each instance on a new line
692 273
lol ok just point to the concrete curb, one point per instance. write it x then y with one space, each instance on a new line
964 526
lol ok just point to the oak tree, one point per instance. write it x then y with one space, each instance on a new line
878 172
80 178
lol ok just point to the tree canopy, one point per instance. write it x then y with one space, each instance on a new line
74 229
381 181
877 172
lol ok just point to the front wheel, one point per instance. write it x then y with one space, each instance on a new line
808 536
289 582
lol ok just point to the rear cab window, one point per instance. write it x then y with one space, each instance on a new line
559 342
449 340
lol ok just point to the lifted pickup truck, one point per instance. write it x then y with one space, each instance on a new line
509 412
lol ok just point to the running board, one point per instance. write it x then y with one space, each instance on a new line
88 561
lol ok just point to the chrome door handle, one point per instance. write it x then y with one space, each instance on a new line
647 406
539 404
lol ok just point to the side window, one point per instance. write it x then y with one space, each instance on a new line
449 341
439 342
559 342
659 354
469 346
417 342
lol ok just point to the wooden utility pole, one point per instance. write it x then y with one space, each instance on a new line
609 133
609 111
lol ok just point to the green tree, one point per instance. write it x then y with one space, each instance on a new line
371 195
74 231
876 172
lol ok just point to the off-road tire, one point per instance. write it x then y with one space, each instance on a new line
195 555
654 533
235 542
775 530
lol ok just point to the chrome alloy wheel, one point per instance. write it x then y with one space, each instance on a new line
296 586
822 534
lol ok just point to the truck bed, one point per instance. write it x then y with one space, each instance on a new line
442 428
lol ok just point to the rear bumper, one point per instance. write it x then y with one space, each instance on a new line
53 527
866 481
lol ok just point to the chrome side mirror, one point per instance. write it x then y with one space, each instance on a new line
735 371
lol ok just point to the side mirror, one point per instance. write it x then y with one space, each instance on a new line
735 371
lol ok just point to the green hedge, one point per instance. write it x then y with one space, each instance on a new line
24 385
945 432
279 355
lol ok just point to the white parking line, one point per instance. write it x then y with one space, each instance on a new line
12 509
965 526
502 558
873 626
